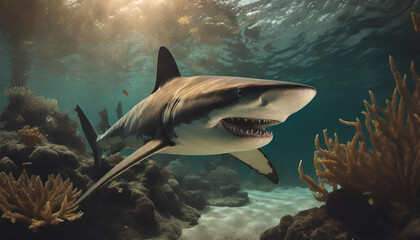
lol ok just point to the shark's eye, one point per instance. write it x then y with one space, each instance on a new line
239 92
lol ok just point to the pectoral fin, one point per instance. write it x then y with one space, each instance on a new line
150 148
258 161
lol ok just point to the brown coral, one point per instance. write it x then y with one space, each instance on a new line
28 200
390 172
30 136
416 21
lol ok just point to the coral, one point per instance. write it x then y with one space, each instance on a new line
39 103
119 110
24 97
416 21
30 136
30 201
389 173
18 92
104 123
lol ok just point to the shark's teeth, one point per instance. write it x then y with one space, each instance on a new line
248 127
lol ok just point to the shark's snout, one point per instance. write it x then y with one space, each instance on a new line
284 101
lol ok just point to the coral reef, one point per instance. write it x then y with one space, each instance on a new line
141 204
19 96
30 136
25 108
29 200
388 174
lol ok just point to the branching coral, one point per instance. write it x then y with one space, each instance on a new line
18 92
25 98
390 172
28 200
30 136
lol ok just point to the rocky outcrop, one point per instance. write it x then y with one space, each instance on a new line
345 216
143 203
218 185
311 224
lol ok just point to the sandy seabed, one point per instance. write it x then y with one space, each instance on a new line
247 223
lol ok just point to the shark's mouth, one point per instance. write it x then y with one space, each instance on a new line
248 127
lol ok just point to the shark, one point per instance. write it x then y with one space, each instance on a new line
198 115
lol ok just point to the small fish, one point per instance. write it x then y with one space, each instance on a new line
72 100
77 72
125 92
129 65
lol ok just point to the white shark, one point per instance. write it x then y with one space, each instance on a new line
201 115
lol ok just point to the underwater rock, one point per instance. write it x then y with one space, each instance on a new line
143 203
45 158
8 166
353 209
51 158
61 129
144 211
230 189
212 164
278 232
311 224
219 187
66 156
222 176
196 199
192 182
165 198
19 154
178 170
174 184
236 200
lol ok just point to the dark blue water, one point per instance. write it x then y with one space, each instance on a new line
339 47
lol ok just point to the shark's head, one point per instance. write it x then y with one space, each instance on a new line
233 113
225 114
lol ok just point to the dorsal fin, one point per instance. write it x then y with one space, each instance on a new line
166 68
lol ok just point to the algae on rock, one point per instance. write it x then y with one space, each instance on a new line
390 172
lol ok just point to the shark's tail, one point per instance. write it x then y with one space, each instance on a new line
91 136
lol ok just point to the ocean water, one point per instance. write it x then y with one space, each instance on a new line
87 53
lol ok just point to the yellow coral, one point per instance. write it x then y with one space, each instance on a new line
390 172
28 200
30 136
